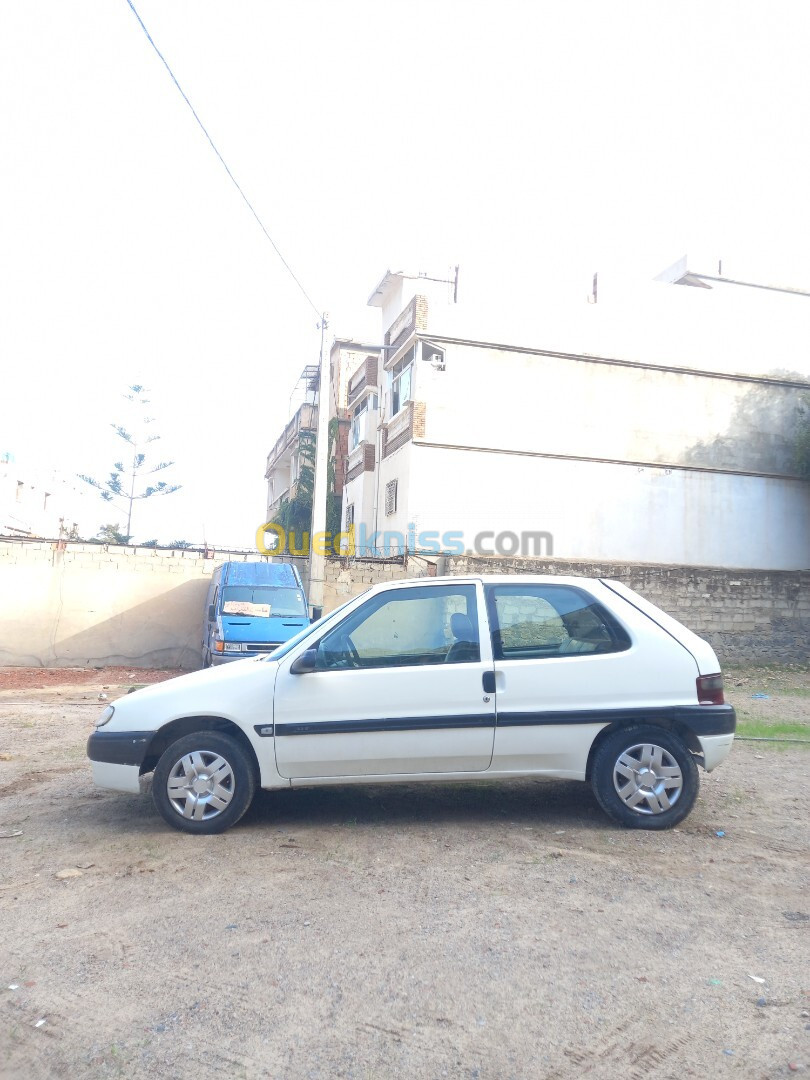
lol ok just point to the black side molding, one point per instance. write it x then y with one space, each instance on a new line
389 723
700 719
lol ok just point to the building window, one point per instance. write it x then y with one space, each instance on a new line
368 402
401 382
390 498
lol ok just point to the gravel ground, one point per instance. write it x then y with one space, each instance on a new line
478 931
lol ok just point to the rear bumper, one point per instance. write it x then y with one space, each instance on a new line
716 749
707 720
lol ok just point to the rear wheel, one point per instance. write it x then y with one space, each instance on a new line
645 778
203 783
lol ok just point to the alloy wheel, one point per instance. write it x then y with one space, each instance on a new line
200 785
647 779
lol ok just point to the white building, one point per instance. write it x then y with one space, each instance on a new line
286 458
41 502
669 449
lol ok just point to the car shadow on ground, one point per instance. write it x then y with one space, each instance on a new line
545 803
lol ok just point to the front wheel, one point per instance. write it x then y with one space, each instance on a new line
203 783
645 778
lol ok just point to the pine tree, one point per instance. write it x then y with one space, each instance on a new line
128 480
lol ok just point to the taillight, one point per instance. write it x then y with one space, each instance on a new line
710 689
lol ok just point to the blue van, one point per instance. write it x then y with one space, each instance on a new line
252 607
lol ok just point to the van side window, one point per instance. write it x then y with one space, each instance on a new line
533 622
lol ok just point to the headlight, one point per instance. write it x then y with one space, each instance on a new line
106 716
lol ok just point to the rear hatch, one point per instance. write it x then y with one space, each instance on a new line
701 650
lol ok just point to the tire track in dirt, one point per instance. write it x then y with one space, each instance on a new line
634 1060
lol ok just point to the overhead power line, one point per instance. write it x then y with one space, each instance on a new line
222 160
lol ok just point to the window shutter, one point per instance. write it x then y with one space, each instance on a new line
390 497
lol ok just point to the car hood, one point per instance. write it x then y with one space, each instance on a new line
250 628
220 691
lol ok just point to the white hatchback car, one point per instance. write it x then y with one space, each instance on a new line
438 679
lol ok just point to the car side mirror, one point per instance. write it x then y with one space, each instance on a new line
212 613
305 663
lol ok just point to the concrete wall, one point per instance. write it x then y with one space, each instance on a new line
606 510
65 605
534 403
81 605
346 578
746 615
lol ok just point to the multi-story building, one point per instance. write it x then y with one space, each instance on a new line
295 446
467 438
288 455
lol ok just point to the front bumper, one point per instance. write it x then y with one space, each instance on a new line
116 757
118 747
263 649
117 777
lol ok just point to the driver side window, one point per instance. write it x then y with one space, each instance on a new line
434 624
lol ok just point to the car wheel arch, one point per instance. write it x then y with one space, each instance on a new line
686 735
188 725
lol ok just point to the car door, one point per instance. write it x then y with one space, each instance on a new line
565 666
398 688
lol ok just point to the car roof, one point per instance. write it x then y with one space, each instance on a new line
490 579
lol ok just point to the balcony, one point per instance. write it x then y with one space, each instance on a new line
306 419
365 376
360 460
408 423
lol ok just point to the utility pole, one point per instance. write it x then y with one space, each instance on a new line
317 560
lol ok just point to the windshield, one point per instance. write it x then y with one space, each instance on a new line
315 628
261 601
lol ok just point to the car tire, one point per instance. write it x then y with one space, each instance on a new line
203 783
644 777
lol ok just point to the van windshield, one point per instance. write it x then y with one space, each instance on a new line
262 601
313 630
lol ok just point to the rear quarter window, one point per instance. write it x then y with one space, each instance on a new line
533 622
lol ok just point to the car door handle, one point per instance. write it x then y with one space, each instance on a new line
488 680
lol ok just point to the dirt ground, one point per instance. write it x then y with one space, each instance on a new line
478 931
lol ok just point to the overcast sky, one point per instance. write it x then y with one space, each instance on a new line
530 142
